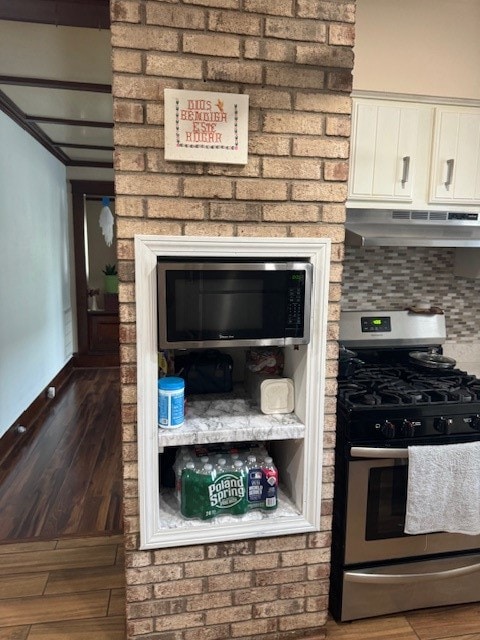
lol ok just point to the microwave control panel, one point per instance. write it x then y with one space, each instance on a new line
295 300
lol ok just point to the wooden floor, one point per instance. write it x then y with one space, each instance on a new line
63 476
70 589
61 543
461 622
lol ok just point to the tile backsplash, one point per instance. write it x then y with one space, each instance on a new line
398 277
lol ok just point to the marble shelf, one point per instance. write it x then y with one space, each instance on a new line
229 418
170 517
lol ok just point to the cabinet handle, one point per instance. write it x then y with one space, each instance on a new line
448 181
406 170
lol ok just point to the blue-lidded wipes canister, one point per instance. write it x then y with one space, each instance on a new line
171 392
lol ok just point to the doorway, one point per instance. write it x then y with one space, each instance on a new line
97 328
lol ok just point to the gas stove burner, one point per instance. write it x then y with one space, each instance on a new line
396 384
389 400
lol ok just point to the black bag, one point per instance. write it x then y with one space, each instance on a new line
205 371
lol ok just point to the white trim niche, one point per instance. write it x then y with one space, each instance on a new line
297 447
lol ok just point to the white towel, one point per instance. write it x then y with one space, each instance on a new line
443 492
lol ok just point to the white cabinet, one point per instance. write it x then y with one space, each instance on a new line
295 441
414 155
389 141
455 176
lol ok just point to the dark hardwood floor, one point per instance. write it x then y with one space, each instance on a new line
63 476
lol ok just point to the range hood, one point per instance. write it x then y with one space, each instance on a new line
394 228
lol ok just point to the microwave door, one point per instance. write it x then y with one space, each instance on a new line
210 305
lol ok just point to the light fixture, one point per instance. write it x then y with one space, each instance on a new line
106 221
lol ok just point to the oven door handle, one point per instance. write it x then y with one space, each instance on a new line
387 578
378 452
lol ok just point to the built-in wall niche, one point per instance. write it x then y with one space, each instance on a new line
239 356
295 441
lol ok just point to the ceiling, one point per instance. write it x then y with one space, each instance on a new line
56 76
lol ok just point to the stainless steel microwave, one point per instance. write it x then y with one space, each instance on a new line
220 304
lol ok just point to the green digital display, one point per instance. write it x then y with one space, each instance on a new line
376 324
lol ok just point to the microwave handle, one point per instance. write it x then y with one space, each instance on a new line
389 578
378 452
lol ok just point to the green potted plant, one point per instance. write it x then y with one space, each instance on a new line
111 278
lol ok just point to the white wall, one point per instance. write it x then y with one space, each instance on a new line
425 47
35 273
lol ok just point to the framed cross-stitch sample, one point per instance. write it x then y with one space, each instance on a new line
206 126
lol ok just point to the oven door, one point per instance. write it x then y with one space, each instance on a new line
376 502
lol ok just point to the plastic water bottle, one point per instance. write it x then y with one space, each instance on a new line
270 474
180 464
254 482
221 465
190 466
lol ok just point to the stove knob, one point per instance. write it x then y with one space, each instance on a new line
408 428
388 429
475 423
442 425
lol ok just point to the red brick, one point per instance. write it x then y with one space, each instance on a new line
324 55
141 37
131 112
272 7
250 72
310 30
343 34
124 11
335 11
211 45
177 16
234 22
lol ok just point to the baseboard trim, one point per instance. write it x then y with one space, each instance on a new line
12 438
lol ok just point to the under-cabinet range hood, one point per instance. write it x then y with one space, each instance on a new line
393 228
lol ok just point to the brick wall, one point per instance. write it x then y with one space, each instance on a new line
293 58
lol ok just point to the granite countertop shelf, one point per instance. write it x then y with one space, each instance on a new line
229 418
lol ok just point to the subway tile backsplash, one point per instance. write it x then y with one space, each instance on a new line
398 277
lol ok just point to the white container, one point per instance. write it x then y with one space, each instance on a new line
171 392
273 394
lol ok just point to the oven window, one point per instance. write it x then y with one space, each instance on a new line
386 503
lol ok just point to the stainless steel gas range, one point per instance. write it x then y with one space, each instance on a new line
396 389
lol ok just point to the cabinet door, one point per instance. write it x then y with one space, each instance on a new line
103 332
455 173
384 141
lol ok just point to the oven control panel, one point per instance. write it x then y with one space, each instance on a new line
385 328
375 324
410 429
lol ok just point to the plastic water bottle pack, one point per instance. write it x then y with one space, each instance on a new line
227 481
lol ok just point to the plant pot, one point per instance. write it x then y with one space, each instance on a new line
111 284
